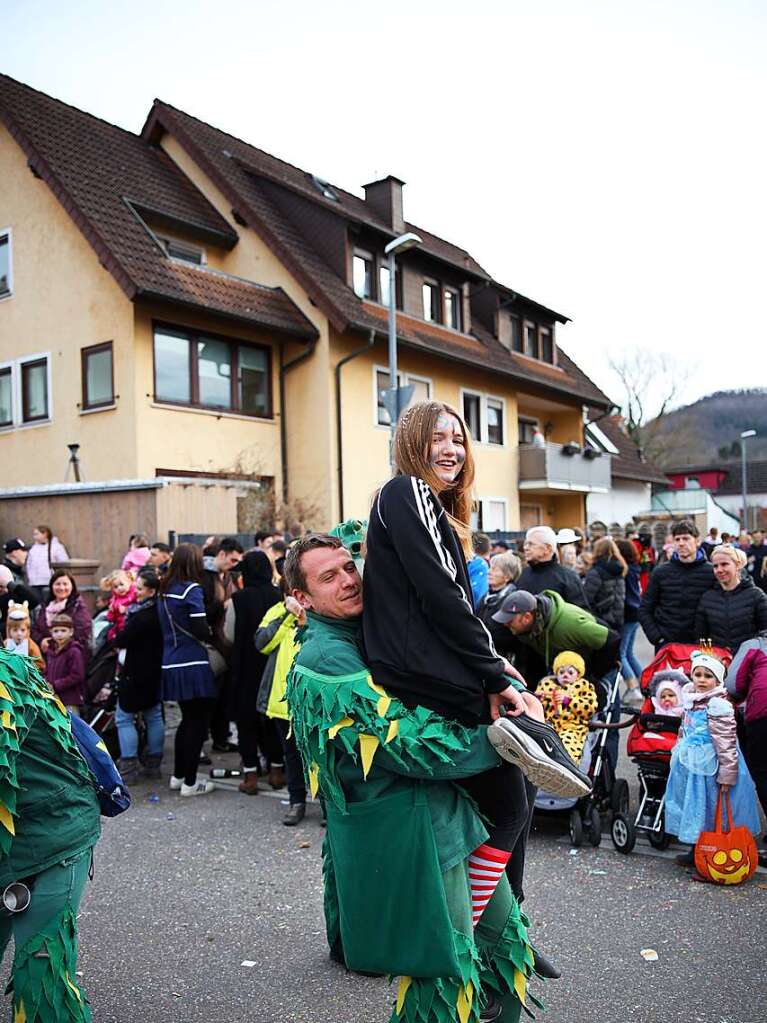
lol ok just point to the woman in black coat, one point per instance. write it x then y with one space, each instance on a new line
139 682
243 617
734 610
605 583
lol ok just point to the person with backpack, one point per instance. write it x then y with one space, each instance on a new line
605 583
49 825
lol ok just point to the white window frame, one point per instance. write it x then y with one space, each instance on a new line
169 239
458 296
403 379
8 232
17 405
437 290
483 400
499 500
364 254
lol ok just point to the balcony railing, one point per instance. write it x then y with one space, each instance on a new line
560 467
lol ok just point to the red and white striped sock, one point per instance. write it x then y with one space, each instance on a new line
486 867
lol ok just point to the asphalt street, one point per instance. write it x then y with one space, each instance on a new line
210 909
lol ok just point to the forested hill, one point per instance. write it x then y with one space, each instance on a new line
709 430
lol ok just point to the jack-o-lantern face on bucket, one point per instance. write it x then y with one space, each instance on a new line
729 868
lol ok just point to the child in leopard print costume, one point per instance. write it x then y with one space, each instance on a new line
569 701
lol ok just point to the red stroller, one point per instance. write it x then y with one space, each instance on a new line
650 743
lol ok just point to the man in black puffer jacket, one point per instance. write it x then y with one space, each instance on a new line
543 571
667 611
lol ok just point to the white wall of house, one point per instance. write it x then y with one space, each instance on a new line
733 503
624 500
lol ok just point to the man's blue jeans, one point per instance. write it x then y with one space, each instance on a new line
128 736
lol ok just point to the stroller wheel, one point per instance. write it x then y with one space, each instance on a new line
595 827
659 839
619 797
623 833
575 825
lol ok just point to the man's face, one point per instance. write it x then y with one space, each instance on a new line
18 557
521 623
536 552
226 560
333 584
686 546
758 538
158 558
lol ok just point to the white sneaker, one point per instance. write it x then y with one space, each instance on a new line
200 788
176 783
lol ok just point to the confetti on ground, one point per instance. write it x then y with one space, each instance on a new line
649 955
247 962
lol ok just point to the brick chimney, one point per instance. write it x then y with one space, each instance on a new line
385 198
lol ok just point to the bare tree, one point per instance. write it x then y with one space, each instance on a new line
651 383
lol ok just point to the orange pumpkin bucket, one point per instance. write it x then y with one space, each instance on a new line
725 856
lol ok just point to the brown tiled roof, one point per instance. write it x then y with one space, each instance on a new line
98 171
481 350
261 164
628 463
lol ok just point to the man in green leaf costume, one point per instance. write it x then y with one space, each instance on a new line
400 832
49 823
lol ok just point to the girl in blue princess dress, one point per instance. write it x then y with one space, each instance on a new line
706 758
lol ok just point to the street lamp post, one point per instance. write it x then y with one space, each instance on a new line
743 438
399 244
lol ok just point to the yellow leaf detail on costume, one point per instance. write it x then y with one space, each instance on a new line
368 746
59 704
73 987
6 819
4 694
463 1002
520 985
383 705
100 745
290 730
404 984
6 720
392 733
376 689
336 728
314 779
20 1014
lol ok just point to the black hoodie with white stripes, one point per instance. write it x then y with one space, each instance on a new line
423 641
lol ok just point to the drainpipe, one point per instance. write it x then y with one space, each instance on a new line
285 368
339 365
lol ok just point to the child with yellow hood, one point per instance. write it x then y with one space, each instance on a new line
569 701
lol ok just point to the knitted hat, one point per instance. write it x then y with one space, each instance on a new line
703 659
673 675
569 659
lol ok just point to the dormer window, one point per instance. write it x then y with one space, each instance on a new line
187 252
362 273
531 340
453 308
516 334
547 345
431 303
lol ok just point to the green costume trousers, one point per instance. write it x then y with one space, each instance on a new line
44 981
496 962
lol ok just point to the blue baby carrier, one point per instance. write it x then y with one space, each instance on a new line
113 796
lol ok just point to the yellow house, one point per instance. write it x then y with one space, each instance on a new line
208 322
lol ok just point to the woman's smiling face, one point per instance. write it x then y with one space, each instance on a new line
447 451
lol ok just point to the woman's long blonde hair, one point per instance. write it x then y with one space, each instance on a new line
412 443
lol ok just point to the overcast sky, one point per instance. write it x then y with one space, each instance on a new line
606 159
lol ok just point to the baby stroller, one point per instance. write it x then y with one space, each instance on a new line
608 793
101 696
650 744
